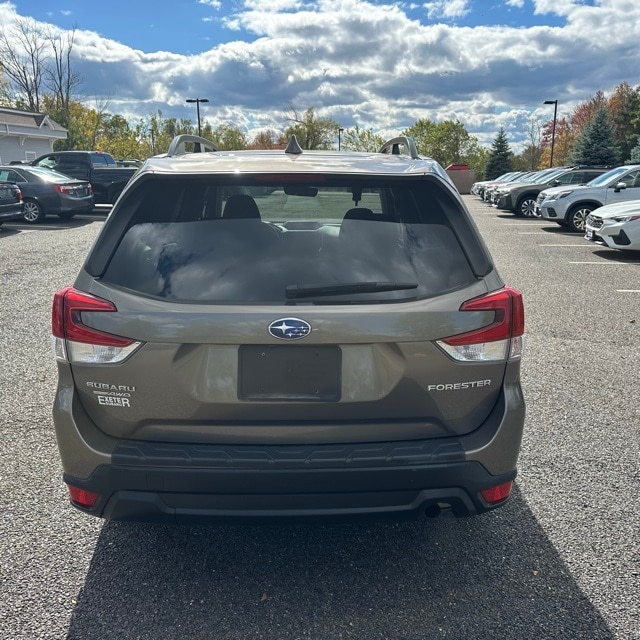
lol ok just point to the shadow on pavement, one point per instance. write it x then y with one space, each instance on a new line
494 576
53 224
632 257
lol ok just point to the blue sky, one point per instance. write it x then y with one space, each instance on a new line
189 26
382 65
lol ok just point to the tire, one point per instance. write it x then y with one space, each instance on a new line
577 217
526 208
66 215
32 212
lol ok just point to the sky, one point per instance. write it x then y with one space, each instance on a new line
372 63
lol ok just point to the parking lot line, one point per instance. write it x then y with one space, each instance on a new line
564 245
627 290
606 262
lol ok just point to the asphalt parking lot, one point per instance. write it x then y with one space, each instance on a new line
561 560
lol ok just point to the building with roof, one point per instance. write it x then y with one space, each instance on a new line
25 135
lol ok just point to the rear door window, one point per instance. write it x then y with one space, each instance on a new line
289 242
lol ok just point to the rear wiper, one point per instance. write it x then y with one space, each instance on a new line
308 290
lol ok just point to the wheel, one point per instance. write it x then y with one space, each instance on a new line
578 217
66 215
32 212
526 208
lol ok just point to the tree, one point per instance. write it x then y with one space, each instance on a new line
635 153
597 144
564 142
227 137
500 158
532 155
60 77
22 58
311 131
6 95
357 139
447 142
624 110
268 139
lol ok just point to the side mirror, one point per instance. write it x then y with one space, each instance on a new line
619 187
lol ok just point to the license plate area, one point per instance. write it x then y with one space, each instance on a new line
294 373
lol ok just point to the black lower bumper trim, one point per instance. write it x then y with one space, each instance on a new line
180 495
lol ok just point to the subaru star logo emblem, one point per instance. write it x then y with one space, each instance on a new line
289 328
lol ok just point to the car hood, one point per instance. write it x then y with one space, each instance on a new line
555 190
618 209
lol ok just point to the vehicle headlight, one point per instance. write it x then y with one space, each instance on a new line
628 218
563 194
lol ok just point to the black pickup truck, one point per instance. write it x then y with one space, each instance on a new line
100 169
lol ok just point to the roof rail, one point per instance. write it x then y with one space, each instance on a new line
408 147
200 145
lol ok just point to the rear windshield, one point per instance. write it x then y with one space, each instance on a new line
284 241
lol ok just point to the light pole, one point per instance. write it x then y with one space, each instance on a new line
198 101
553 131
339 133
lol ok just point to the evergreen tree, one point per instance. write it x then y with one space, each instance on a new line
635 154
597 143
500 158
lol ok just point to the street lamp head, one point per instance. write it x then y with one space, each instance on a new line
550 102
197 99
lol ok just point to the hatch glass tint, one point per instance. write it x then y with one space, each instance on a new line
301 240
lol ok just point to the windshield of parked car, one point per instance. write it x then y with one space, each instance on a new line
606 177
292 241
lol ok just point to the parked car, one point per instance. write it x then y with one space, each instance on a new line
520 198
489 187
527 176
477 188
570 206
100 169
339 345
616 226
10 201
46 192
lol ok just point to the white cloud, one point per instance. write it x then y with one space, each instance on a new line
216 4
447 9
370 64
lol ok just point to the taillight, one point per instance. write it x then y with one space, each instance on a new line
65 189
76 342
499 340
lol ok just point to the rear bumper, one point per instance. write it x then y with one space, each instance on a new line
186 482
183 496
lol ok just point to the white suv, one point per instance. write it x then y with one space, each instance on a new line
570 206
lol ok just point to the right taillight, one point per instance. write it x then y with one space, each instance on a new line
74 341
502 339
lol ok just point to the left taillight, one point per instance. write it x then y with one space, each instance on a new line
74 341
502 339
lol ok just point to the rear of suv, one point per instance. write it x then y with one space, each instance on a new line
288 334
